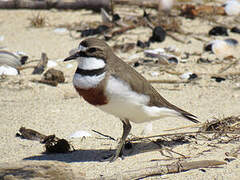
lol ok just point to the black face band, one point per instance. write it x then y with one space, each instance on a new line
93 72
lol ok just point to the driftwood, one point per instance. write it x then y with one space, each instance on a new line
59 170
48 4
166 169
41 65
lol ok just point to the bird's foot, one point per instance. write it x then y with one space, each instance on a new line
111 157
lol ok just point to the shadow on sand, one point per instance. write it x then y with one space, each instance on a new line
97 155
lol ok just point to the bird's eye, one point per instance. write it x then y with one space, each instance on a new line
92 50
83 43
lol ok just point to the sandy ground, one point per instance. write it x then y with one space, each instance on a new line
50 110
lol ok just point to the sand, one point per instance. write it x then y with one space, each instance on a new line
60 111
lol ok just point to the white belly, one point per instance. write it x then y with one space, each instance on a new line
127 104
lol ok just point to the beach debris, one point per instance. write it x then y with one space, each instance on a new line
22 170
191 11
142 44
232 7
93 31
54 75
228 124
218 31
158 34
60 30
41 65
52 143
222 48
8 70
154 53
173 60
106 18
218 79
235 30
80 4
10 59
51 77
80 134
175 167
189 76
203 60
165 5
136 64
235 152
51 64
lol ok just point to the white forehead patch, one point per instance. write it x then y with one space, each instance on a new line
90 63
87 82
82 48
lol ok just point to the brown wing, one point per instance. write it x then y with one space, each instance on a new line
139 84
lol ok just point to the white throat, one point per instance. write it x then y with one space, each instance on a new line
89 81
90 63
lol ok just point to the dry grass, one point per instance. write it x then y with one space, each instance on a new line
38 21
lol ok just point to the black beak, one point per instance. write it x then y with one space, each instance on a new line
75 56
72 57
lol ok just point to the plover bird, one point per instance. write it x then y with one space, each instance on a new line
107 82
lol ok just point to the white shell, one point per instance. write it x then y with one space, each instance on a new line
7 70
232 8
9 58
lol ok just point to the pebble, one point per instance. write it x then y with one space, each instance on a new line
158 34
235 30
218 31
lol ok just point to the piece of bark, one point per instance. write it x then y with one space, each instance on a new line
48 4
41 65
54 75
30 134
47 170
191 11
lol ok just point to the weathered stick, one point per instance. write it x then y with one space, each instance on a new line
176 167
48 4
168 81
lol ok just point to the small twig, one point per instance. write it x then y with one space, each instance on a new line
107 136
175 38
167 81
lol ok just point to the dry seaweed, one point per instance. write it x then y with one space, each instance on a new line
52 143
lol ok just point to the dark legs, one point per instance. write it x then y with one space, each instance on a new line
126 129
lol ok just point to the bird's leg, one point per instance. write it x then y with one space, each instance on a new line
126 129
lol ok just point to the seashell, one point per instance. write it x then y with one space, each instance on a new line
222 48
10 59
232 7
165 5
8 70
